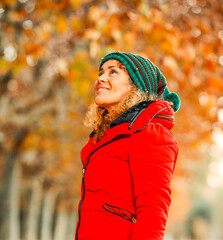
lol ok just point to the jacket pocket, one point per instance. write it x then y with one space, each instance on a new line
120 212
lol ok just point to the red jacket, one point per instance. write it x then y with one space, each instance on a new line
127 176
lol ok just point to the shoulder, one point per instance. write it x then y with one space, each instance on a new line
154 133
153 145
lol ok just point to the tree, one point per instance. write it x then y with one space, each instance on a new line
50 51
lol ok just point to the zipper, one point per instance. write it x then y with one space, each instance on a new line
84 170
79 214
120 212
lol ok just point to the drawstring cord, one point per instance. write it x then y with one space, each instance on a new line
136 117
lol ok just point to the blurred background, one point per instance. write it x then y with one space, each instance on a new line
50 51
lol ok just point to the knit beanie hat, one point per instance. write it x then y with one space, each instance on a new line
145 74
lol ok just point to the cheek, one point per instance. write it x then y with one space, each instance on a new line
125 89
121 92
95 85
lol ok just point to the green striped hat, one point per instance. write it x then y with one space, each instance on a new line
145 74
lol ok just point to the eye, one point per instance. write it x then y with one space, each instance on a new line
100 73
113 71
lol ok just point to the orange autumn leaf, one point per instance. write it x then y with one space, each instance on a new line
61 23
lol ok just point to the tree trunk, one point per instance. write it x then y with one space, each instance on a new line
47 216
10 229
9 212
14 226
34 211
71 226
61 225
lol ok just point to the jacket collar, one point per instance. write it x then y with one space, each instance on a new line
144 112
131 113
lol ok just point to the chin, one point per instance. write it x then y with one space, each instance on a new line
99 102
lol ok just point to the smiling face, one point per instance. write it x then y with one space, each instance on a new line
112 85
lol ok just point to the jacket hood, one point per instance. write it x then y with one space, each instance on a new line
146 111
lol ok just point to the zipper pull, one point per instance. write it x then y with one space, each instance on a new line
83 171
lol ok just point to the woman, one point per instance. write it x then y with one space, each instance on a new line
131 155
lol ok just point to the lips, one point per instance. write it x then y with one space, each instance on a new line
102 89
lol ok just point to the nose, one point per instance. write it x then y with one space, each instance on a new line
101 79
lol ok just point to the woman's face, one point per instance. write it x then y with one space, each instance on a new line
112 85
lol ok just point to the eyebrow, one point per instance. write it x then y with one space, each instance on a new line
108 68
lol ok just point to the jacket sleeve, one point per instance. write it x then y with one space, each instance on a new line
152 157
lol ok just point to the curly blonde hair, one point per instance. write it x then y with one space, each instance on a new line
99 119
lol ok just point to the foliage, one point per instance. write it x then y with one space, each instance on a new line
50 51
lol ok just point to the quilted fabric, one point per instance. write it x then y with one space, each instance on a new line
126 180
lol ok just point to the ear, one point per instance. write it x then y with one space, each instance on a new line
130 87
130 81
